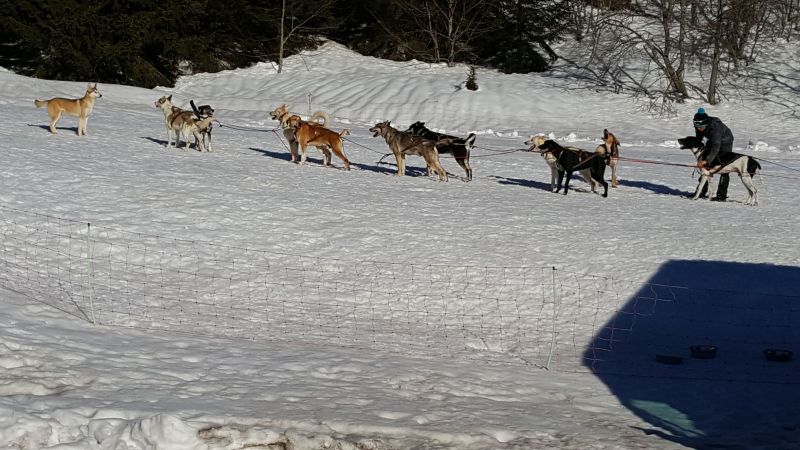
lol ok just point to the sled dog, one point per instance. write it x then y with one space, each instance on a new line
460 147
402 144
745 166
78 107
282 114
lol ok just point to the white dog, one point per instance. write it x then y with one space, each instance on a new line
744 165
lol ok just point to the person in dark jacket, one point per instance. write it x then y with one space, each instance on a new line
718 141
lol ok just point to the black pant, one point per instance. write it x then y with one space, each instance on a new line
722 189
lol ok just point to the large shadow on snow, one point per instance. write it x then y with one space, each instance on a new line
738 399
47 128
163 143
523 182
655 187
382 167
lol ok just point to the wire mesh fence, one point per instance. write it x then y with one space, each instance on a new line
541 316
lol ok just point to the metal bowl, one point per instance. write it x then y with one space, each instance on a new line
703 351
778 354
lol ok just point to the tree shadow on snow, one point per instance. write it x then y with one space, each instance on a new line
738 398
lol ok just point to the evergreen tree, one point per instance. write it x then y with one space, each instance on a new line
522 33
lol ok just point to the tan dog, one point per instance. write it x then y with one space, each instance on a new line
326 140
201 128
282 114
176 120
78 107
402 144
610 147
535 141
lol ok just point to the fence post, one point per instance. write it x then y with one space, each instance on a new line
91 275
555 324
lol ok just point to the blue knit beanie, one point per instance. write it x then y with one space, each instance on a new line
700 118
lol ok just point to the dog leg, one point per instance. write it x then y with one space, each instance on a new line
747 180
401 164
303 153
339 151
586 174
81 126
566 184
326 154
289 135
553 175
712 188
598 175
53 121
199 142
613 164
599 179
436 165
560 180
700 185
464 163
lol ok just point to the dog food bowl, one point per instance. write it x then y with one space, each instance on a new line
703 351
669 359
777 354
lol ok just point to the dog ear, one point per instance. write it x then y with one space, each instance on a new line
605 133
170 97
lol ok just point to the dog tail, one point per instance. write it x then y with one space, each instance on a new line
344 132
40 103
196 111
752 167
320 115
469 142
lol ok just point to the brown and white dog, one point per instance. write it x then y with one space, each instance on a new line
176 120
202 124
402 144
306 133
282 114
610 146
536 141
78 107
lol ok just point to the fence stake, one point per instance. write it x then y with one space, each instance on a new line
555 326
91 275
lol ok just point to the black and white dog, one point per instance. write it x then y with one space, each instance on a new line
569 160
459 148
744 165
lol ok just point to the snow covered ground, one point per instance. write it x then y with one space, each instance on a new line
247 302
